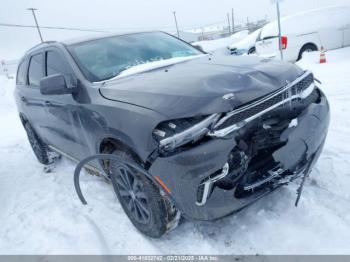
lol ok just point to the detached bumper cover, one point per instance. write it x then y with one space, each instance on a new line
304 139
183 172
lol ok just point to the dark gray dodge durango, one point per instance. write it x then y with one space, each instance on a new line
215 133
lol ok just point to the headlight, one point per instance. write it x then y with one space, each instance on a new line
175 133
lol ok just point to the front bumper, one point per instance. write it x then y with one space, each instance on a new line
184 172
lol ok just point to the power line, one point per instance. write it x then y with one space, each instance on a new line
107 30
53 27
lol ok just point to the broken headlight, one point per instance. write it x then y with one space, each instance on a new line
175 133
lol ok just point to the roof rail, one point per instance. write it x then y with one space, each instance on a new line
42 43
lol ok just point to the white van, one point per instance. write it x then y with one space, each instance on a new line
305 32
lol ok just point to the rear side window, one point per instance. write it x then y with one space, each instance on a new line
35 72
55 64
22 74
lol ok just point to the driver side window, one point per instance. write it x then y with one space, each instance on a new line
55 64
35 72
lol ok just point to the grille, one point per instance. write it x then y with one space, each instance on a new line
267 103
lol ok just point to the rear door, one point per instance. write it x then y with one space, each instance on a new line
32 101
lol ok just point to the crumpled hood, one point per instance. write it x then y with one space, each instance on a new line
197 87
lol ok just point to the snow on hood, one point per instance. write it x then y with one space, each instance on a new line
309 21
197 86
153 65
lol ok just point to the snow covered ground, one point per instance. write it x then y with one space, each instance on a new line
40 213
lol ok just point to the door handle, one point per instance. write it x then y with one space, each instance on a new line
47 103
22 98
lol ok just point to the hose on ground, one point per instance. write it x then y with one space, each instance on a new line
121 162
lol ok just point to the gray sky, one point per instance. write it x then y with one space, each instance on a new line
128 15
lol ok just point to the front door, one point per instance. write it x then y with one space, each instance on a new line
64 126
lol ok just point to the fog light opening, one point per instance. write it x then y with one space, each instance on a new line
205 188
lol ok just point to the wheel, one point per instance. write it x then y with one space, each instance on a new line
141 200
306 49
39 148
251 51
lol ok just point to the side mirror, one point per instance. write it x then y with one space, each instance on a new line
198 47
54 85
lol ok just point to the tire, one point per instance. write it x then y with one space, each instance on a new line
305 49
39 148
251 51
140 199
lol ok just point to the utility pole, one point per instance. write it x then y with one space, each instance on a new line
177 27
229 24
233 21
248 23
279 28
277 2
36 22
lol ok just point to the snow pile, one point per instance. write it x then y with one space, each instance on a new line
222 43
41 214
310 21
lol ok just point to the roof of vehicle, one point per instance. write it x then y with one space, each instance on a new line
100 36
82 39
39 46
309 21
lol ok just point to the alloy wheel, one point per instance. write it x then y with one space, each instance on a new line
132 193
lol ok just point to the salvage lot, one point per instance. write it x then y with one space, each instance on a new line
40 212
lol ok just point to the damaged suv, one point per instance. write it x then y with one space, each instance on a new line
216 133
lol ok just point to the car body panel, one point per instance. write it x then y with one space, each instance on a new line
186 170
201 85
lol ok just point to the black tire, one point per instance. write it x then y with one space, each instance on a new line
251 51
306 48
142 201
39 148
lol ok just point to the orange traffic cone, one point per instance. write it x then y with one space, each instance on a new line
323 59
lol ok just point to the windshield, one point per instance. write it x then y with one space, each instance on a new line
106 58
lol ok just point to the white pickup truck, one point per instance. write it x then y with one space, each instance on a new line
305 32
